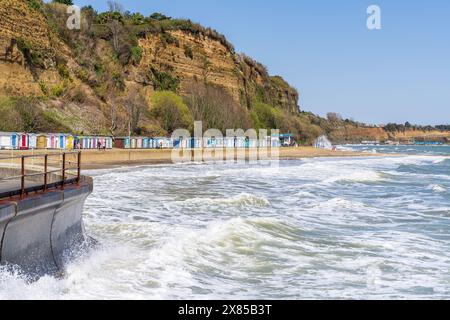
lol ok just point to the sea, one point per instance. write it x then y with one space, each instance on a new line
324 228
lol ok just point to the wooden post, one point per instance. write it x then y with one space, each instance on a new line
45 172
79 168
63 170
22 180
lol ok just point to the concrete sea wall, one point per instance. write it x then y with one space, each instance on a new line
41 232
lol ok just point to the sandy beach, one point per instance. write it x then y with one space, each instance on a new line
98 159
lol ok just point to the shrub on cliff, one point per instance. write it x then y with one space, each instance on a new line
265 116
35 4
66 2
170 111
159 16
33 57
164 81
26 114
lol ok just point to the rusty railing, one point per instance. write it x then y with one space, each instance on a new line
59 176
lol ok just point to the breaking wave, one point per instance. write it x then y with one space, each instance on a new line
374 227
241 200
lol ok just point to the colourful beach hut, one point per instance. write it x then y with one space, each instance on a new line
239 142
70 142
177 143
155 143
150 143
55 141
139 143
159 144
48 141
6 140
32 141
93 142
275 142
41 142
15 141
145 143
105 142
163 143
52 141
253 143
108 142
127 143
119 143
133 143
220 142
228 142
182 143
209 142
122 143
61 141
86 143
90 142
76 142
264 142
22 141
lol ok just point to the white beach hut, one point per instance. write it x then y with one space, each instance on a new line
32 141
323 143
6 140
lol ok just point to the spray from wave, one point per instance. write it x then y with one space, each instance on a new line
316 228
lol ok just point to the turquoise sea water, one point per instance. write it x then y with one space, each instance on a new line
337 228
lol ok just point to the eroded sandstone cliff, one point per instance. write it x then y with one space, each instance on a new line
75 71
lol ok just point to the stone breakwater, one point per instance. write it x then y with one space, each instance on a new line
41 232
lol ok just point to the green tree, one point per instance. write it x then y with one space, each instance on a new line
66 2
265 116
170 111
159 16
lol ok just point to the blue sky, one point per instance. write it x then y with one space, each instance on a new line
323 48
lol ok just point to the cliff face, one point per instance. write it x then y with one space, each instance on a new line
20 24
192 58
353 134
82 80
76 71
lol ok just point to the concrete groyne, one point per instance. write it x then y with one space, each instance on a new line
41 231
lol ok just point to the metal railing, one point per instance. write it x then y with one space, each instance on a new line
54 177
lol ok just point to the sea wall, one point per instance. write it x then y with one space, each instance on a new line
41 232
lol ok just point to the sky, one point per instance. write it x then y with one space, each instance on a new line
324 48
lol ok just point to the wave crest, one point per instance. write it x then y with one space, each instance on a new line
240 200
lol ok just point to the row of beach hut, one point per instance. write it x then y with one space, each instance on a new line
27 141
143 143
227 142
194 143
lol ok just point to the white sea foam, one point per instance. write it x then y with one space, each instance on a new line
241 200
357 176
316 228
437 188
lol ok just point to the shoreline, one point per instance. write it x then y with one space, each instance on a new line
113 158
